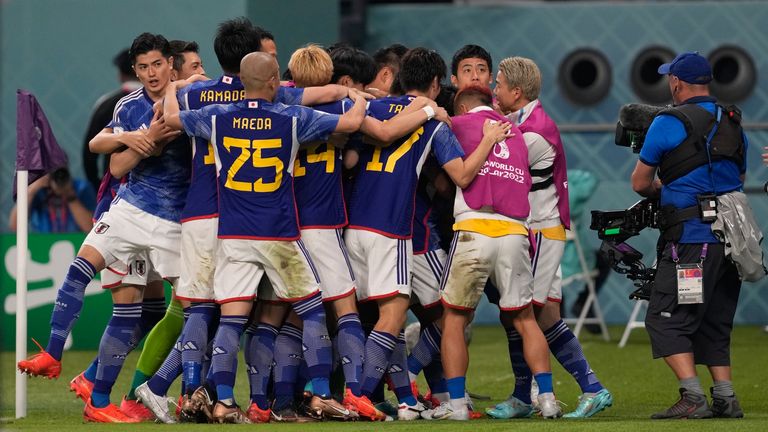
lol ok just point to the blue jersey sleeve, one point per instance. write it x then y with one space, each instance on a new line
445 145
665 133
312 125
119 119
199 122
289 95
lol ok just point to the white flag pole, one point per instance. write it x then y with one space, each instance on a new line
22 222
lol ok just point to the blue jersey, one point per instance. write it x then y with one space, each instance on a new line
107 191
202 198
426 236
256 143
317 185
384 189
667 132
158 184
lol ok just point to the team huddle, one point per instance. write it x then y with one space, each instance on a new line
303 214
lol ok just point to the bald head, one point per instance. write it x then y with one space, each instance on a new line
259 72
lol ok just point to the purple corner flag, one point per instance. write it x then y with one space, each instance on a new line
37 150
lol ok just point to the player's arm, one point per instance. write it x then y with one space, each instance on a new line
107 141
329 93
399 125
122 162
171 107
351 120
463 171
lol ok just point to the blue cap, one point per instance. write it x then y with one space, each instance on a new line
689 67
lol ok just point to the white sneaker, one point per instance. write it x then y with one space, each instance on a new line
410 412
156 403
534 394
549 406
446 412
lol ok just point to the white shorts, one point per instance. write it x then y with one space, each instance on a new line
474 258
329 253
241 264
545 266
382 264
198 259
125 231
427 273
139 273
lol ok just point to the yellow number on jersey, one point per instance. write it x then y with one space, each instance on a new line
376 165
258 161
209 158
314 156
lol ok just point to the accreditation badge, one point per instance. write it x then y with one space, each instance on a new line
690 287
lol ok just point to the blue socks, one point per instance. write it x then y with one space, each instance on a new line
427 349
259 354
118 340
544 380
69 303
456 387
523 374
90 373
169 370
567 349
152 311
288 358
318 350
378 352
194 342
398 372
226 344
351 344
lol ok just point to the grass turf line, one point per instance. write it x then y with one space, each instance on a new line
640 386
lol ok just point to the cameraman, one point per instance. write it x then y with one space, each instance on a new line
58 203
690 314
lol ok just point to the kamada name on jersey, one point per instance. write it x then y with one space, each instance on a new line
257 123
222 95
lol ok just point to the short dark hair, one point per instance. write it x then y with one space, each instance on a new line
122 62
178 48
445 98
235 39
265 34
470 51
420 66
147 42
356 63
389 56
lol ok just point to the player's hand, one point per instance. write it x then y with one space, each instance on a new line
139 142
496 131
376 92
442 115
195 78
159 132
421 101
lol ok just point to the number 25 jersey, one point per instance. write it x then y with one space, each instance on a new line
256 143
383 192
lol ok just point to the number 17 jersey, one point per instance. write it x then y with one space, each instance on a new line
384 190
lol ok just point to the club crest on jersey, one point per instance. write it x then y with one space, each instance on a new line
141 267
101 228
253 104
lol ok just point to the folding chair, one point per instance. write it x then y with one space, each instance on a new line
633 322
587 275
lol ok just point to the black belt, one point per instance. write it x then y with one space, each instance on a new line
671 216
542 172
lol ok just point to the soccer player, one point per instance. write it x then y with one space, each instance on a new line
491 242
143 218
352 67
471 66
267 240
381 217
387 66
518 83
186 60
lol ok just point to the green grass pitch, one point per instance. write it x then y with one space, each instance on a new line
640 386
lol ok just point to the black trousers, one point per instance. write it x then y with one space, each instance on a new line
702 329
